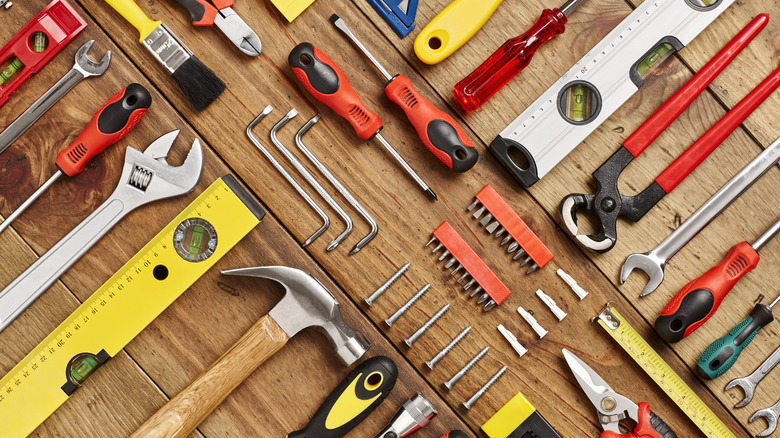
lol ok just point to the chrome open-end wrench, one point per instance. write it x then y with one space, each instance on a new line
337 184
653 262
146 177
82 68
770 415
749 383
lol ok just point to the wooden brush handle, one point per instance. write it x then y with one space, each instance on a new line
183 413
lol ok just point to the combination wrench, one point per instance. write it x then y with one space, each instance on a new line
654 262
83 67
749 383
146 177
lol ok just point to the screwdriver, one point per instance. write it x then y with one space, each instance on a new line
511 58
724 352
328 84
695 303
439 132
108 125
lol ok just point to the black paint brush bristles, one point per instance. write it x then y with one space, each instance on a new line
201 85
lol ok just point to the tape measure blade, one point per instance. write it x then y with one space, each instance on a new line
664 376
123 306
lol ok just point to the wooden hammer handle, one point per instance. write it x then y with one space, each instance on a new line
183 413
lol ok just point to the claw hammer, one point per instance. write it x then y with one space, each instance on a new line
306 303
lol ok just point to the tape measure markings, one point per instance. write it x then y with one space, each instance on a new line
120 309
663 375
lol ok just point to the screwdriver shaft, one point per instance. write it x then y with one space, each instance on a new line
339 23
7 222
407 167
768 235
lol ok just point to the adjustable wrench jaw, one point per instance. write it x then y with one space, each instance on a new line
607 204
147 177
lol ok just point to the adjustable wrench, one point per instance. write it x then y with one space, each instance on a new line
82 68
749 383
146 178
653 262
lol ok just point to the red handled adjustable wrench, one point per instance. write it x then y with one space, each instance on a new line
608 203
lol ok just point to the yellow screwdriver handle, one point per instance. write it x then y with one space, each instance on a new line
135 16
451 28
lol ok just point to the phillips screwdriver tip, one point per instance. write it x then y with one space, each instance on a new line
431 194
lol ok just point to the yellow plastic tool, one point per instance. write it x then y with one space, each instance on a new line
449 30
663 375
291 8
518 418
145 286
135 16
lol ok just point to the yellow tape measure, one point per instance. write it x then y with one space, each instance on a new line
145 286
663 375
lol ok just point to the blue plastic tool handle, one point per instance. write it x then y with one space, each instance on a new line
401 22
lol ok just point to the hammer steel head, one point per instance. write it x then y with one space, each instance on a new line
86 66
650 264
307 303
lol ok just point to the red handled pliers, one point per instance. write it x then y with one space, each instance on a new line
613 407
220 13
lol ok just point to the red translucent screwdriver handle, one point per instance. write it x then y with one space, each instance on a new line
512 57
111 123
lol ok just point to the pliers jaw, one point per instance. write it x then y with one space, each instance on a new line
607 204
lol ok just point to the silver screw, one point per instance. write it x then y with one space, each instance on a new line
426 326
405 307
370 300
450 383
470 402
436 359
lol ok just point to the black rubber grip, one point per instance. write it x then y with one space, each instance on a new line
456 434
661 427
196 9
115 116
371 380
322 77
693 308
503 149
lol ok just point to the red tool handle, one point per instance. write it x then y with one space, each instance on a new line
202 13
695 303
648 425
512 57
439 132
328 84
637 142
701 149
109 124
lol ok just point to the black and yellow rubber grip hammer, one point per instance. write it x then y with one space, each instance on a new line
353 400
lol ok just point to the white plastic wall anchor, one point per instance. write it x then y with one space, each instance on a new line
532 321
512 341
582 293
560 314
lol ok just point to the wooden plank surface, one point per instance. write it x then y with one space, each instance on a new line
284 392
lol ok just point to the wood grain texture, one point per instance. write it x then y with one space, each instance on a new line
281 395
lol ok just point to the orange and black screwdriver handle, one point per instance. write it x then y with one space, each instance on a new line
439 132
328 84
111 122
354 399
695 303
648 425
203 12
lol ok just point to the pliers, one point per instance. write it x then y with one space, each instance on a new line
221 14
613 407
607 204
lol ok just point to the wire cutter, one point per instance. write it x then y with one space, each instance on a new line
607 204
613 407
221 14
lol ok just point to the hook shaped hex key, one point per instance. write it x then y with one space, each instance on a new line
310 179
337 184
287 176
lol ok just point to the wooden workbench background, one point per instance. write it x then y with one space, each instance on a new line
283 394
